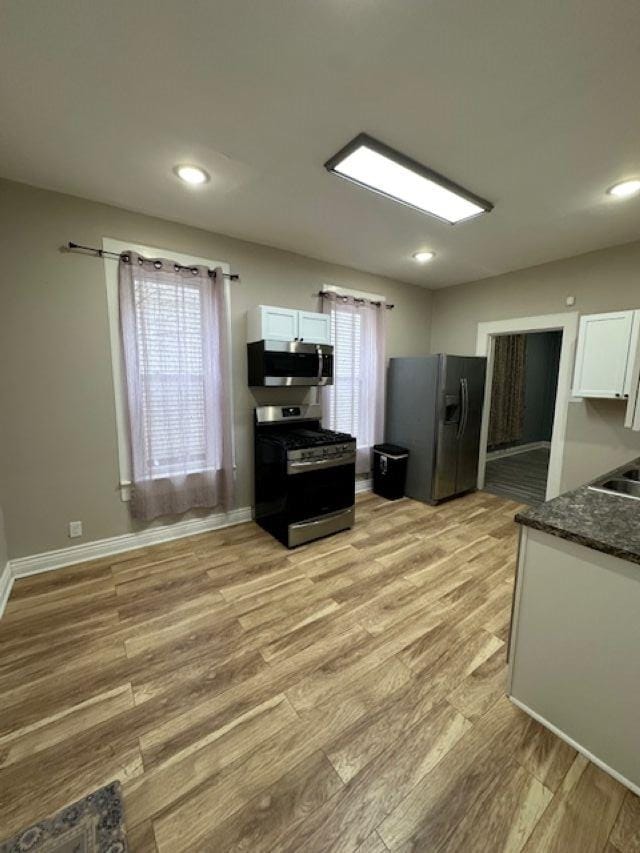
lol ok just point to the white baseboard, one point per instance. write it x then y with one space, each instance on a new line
519 448
594 758
50 560
24 566
6 582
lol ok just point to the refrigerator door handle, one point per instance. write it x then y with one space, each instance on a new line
461 418
464 415
466 405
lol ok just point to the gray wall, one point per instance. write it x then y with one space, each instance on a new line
540 384
59 452
606 280
4 556
4 551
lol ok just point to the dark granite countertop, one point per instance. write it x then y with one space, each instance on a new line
604 522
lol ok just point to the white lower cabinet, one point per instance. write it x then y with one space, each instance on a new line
574 663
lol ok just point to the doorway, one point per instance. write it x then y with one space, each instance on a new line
522 406
514 433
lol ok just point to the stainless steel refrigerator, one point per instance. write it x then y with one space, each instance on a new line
434 408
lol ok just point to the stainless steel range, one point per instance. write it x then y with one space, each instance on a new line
304 475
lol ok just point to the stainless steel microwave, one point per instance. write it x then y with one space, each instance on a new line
282 363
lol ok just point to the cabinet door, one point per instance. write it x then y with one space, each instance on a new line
278 324
632 379
603 354
314 328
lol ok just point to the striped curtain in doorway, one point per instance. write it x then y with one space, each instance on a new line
507 391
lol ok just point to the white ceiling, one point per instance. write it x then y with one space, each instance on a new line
532 104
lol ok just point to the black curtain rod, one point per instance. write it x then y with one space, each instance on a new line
325 294
103 253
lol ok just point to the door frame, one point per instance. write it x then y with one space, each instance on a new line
568 325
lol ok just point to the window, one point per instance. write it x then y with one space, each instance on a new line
354 403
171 369
171 364
345 394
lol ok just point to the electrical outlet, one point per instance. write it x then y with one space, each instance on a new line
75 529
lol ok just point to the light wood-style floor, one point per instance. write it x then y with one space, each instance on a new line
345 696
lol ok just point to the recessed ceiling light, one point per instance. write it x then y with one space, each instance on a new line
625 189
377 167
423 257
191 174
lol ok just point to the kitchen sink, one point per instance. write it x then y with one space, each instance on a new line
625 486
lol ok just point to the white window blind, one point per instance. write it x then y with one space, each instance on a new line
121 405
174 323
354 403
169 322
344 406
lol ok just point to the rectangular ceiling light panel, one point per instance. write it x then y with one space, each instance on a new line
377 167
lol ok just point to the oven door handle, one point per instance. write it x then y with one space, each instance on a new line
317 464
320 361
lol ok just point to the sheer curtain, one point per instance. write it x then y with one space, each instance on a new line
174 338
355 402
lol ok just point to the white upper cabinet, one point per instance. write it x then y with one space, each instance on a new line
604 357
270 323
265 322
314 328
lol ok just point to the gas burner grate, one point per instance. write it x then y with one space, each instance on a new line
314 438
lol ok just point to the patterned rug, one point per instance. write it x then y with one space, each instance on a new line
92 825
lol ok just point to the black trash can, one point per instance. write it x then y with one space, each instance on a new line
389 470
